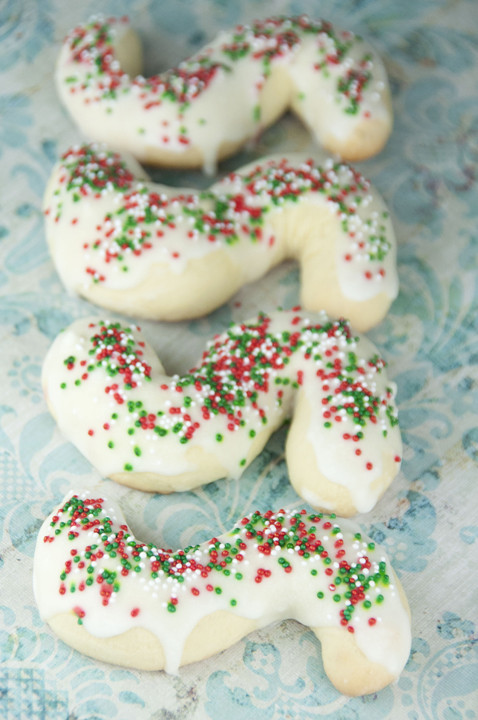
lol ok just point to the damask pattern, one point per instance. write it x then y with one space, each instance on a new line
428 520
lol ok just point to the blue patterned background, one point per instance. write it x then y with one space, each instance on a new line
428 520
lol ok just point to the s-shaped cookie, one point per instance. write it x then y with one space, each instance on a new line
153 251
135 604
223 96
144 428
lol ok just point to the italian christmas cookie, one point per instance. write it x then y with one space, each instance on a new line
153 251
127 602
218 99
138 425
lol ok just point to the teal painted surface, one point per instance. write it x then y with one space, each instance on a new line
428 520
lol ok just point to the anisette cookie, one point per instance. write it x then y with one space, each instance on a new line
169 253
224 95
145 428
132 603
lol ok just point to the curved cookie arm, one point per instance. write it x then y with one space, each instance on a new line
135 604
153 251
112 398
217 100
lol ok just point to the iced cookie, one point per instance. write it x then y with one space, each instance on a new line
217 100
123 601
113 399
152 251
